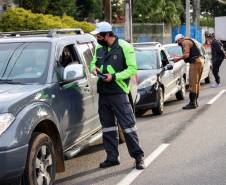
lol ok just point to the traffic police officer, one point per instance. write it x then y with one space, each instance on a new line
115 59
192 55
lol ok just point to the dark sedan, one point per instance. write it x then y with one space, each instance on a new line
158 78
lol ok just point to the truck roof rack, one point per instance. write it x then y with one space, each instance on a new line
49 33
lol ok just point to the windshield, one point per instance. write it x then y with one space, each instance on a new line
146 59
174 51
24 62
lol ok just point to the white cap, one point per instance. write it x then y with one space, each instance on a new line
178 36
102 27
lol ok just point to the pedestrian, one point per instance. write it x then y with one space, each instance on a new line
207 45
114 63
193 56
218 56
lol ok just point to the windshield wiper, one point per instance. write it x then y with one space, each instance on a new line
8 81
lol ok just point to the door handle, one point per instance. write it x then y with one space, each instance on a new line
87 88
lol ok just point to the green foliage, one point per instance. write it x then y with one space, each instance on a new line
117 9
213 7
61 7
35 6
55 7
89 9
167 11
17 19
207 21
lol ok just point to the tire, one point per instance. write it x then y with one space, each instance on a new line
41 163
159 109
140 112
180 95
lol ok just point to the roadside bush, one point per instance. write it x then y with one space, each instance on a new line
207 21
19 19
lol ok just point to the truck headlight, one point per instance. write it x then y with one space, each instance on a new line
5 121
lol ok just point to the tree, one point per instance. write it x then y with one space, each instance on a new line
55 7
167 11
196 12
117 11
213 8
62 7
35 6
89 9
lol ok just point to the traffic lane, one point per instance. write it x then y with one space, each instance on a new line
152 131
195 157
83 169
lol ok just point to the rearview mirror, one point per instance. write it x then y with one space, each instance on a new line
73 72
168 67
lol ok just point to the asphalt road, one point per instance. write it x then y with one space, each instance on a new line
181 148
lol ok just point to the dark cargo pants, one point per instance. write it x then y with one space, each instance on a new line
112 107
215 68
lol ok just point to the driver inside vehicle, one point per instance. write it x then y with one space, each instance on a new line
66 57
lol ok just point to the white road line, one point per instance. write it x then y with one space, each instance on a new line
216 97
135 173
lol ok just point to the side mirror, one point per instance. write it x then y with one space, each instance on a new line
168 67
73 72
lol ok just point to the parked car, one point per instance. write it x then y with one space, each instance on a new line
175 50
48 103
158 78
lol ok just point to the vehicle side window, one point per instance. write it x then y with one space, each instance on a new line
164 58
68 56
86 50
92 47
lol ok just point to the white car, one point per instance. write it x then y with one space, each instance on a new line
175 50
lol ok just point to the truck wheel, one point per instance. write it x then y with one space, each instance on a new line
181 93
160 107
41 164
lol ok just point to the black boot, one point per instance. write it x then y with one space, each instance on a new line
139 163
192 104
196 100
107 163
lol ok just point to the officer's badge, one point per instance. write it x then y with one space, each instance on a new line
115 57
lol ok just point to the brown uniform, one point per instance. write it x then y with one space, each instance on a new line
196 64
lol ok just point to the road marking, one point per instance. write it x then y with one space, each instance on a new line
216 97
135 173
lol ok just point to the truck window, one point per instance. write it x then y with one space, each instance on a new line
85 49
28 63
68 56
164 59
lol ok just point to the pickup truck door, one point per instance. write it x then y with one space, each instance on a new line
86 52
75 104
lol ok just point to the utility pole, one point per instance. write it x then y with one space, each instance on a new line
196 12
107 10
128 21
188 18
